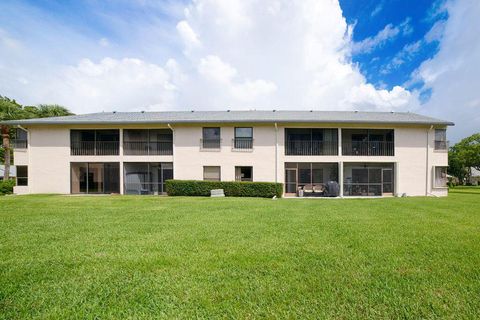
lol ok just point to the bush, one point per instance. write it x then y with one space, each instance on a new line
6 186
230 188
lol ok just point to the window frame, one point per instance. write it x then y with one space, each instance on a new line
240 168
434 176
211 144
22 178
442 142
235 132
219 173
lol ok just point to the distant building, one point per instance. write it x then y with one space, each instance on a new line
13 171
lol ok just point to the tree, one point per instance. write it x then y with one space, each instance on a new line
11 110
52 110
465 155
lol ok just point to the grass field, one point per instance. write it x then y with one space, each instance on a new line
157 257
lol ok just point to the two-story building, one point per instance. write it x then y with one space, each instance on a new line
364 153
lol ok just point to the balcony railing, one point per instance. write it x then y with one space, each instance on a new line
19 144
210 143
368 148
98 148
242 143
160 148
441 145
311 148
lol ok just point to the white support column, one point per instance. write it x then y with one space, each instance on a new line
121 162
340 177
122 191
339 141
121 143
396 176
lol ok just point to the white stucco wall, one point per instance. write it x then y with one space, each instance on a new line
190 158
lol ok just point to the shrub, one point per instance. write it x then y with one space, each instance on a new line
6 186
230 188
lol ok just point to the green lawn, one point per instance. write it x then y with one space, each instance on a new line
158 257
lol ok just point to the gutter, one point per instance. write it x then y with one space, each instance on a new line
117 122
427 169
276 153
173 148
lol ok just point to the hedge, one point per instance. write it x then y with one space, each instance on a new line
6 186
230 188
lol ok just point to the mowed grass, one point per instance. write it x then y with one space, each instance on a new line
120 257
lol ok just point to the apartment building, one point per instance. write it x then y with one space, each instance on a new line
365 153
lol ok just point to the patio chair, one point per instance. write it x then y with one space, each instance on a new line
318 189
308 190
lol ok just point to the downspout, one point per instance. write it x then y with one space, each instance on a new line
173 149
427 163
276 153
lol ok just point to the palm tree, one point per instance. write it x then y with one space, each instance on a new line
11 110
52 110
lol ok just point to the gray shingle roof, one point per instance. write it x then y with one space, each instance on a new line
271 116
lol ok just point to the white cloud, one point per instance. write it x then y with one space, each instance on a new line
452 74
111 84
213 68
388 33
436 32
406 54
377 9
189 36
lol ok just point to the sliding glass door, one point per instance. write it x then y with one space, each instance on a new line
95 177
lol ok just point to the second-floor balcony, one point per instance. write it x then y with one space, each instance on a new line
368 142
368 148
98 148
311 148
148 148
311 142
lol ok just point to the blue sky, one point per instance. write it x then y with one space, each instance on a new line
419 56
414 19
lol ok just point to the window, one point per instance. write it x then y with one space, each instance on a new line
441 139
211 173
21 139
243 138
94 142
440 177
211 138
22 176
243 173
